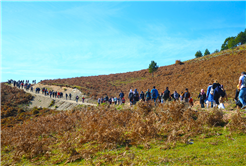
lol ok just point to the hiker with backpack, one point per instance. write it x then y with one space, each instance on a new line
135 96
130 96
66 96
242 86
209 96
83 99
70 95
217 92
176 95
142 96
115 100
187 95
77 98
181 96
147 95
121 95
154 94
202 97
166 95
99 101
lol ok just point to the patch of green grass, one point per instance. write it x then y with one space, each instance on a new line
222 149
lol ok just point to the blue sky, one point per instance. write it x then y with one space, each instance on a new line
48 40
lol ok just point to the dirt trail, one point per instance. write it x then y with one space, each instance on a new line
40 100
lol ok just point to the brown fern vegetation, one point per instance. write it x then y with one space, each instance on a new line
14 106
82 133
195 74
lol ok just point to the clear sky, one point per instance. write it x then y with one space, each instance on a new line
48 40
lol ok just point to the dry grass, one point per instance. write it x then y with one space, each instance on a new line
80 134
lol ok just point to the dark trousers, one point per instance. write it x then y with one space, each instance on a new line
216 99
202 105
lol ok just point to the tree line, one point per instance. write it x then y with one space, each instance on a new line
230 42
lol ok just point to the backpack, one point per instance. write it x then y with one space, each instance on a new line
130 95
166 94
154 93
186 95
135 95
219 91
147 94
123 100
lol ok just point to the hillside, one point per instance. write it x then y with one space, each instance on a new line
15 107
195 74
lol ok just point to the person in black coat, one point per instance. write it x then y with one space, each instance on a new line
216 96
202 97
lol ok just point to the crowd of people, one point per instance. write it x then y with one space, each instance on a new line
21 84
214 97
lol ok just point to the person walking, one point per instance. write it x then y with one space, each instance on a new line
176 95
142 96
181 96
135 96
121 95
166 95
115 100
77 98
66 96
147 95
98 101
217 92
83 99
242 93
154 94
202 97
70 95
210 96
130 96
187 95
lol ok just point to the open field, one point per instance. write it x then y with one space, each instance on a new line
195 74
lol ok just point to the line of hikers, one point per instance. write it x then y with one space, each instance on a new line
21 84
215 95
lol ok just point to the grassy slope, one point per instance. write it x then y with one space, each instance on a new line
195 74
223 149
215 146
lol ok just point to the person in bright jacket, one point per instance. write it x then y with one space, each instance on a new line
154 94
210 97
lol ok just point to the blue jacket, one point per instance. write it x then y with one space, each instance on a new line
156 93
210 97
